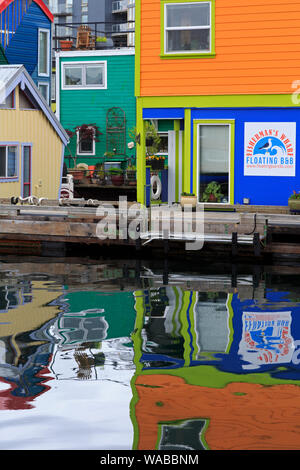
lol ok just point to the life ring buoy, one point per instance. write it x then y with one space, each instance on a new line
155 181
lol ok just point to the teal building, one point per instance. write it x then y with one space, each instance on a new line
96 88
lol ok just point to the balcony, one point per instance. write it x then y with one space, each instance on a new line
119 7
78 36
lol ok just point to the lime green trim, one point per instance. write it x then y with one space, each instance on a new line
231 123
184 326
177 130
188 55
137 67
186 158
140 153
137 347
220 101
230 321
211 377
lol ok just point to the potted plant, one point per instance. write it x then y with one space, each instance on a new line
157 162
117 176
294 202
100 42
81 133
188 199
151 135
131 175
212 192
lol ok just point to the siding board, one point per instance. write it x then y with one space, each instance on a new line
257 51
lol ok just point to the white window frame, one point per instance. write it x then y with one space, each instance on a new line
209 123
84 64
184 28
86 154
47 31
46 84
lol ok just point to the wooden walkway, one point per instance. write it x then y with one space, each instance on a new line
261 229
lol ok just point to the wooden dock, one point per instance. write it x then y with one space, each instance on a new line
238 229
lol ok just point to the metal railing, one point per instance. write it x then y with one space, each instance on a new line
104 35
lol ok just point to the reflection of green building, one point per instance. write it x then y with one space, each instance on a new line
95 316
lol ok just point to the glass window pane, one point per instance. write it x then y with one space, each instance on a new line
2 161
43 88
73 76
195 14
26 165
11 161
43 52
188 40
214 149
94 75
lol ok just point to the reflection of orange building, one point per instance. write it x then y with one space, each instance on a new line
241 416
238 411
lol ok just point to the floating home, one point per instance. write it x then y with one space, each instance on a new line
97 87
228 81
32 141
25 35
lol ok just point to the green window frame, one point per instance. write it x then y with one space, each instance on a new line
189 53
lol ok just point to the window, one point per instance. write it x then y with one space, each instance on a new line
44 52
26 170
214 157
188 28
8 161
84 76
44 90
85 146
8 102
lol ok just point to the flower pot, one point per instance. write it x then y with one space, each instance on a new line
294 205
188 200
156 164
66 45
77 174
117 180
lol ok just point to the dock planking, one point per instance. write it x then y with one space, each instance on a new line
76 222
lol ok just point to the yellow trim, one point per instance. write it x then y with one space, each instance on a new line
137 66
229 122
140 153
186 158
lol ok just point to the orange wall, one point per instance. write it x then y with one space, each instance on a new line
257 52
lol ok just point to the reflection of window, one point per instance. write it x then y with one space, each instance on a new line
188 27
44 52
8 161
82 75
85 145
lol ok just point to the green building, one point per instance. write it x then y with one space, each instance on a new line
95 88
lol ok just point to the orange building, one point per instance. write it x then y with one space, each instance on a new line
225 77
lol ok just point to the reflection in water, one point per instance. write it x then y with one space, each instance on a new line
128 362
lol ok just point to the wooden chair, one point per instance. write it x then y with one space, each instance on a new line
85 39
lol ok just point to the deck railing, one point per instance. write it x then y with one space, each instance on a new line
102 35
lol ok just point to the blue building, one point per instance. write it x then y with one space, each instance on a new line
25 35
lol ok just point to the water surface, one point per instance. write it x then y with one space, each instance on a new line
139 355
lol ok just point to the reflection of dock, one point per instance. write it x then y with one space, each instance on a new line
238 231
